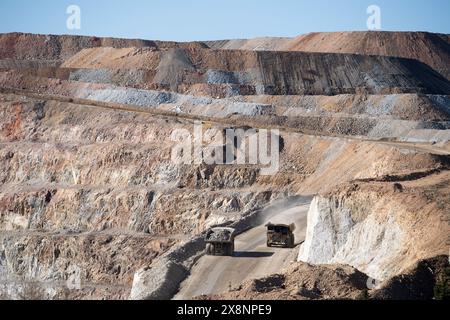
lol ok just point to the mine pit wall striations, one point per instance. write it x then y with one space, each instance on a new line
116 205
433 49
162 278
430 48
346 115
93 190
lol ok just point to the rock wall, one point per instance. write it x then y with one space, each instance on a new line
376 228
100 182
430 48
273 73
54 47
334 236
88 187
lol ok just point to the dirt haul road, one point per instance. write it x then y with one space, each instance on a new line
419 146
252 258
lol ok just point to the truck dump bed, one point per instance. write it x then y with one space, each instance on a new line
220 235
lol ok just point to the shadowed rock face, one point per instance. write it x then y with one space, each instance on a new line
429 48
99 183
428 279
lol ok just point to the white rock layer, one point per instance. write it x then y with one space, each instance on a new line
370 245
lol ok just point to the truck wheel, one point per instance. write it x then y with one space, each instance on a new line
230 250
208 249
292 241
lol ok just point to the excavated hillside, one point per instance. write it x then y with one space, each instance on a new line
77 176
89 189
430 48
372 224
27 46
338 94
273 73
311 282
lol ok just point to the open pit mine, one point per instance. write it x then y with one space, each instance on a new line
95 203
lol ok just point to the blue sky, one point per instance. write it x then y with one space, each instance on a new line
185 20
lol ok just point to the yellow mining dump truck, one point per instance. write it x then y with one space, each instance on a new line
220 241
280 235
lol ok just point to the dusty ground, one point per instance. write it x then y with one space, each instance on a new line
428 279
